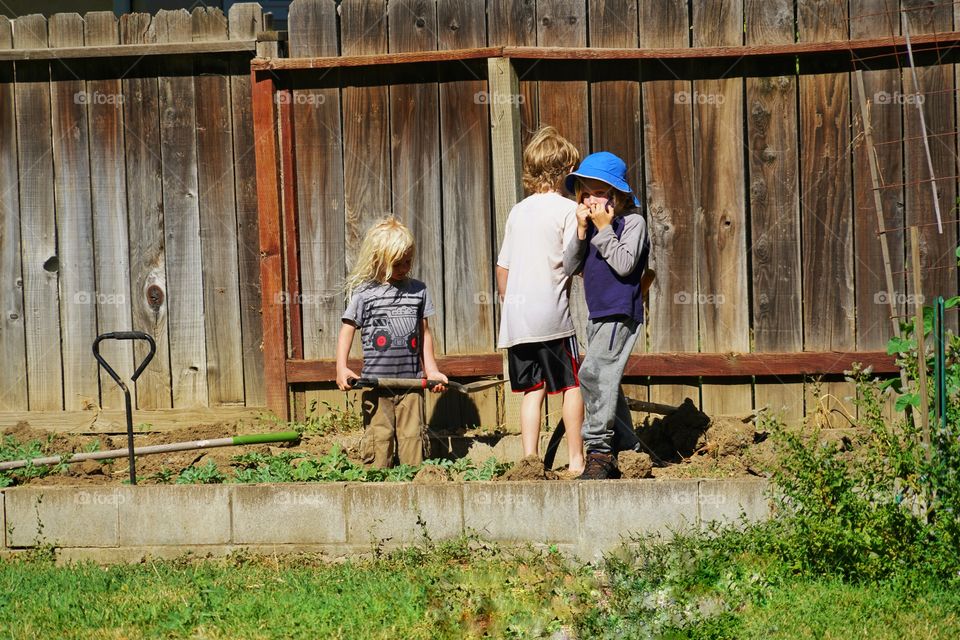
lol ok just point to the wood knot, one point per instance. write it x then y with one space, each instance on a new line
454 25
51 264
155 297
421 23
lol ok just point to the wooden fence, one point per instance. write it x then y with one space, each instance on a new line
128 198
755 180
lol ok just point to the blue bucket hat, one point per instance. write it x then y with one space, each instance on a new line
606 167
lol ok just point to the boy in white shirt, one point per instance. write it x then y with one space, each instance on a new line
535 323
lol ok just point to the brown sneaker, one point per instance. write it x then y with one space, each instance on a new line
600 466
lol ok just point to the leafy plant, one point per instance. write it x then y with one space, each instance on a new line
206 474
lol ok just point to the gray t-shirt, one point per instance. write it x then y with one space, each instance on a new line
389 318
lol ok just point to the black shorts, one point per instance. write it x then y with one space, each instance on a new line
555 363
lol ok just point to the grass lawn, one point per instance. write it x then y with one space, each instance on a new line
465 589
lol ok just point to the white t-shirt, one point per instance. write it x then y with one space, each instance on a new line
536 305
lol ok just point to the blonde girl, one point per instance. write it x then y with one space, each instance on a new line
391 310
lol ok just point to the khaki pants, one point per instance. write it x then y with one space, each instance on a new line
394 425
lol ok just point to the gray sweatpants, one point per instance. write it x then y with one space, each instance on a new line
607 425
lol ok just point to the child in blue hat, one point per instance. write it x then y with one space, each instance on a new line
611 249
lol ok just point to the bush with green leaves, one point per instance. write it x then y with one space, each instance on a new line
893 502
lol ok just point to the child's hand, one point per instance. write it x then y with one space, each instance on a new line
343 375
436 375
601 214
583 220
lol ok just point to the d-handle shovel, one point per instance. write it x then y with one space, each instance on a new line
126 335
412 384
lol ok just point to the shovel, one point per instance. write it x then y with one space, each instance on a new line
412 384
633 404
126 335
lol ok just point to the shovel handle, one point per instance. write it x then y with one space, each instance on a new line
400 384
124 335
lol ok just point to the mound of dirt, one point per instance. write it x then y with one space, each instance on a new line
431 474
634 465
529 468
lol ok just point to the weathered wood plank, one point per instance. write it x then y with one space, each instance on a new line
148 275
668 134
41 264
108 196
515 23
774 207
722 297
826 213
415 145
876 18
319 181
271 263
71 170
13 377
663 365
131 51
465 148
937 86
467 214
320 185
178 151
218 215
507 160
563 102
366 127
245 21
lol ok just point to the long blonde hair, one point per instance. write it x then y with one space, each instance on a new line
385 244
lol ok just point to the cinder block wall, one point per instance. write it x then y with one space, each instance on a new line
584 519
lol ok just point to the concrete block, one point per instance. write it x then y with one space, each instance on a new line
289 514
175 515
128 555
3 523
725 500
390 511
615 510
62 516
522 511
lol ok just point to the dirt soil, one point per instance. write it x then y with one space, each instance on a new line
684 444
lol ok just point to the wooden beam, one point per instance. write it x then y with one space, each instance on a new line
271 257
874 47
133 50
409 57
658 365
291 235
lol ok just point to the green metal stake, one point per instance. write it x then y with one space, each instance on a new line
939 362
